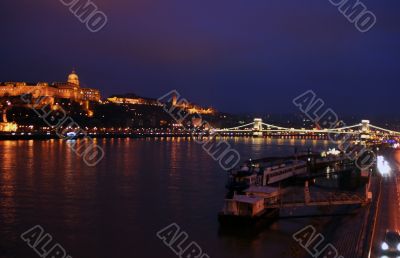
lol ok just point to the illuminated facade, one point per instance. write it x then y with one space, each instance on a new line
134 101
189 107
66 90
194 109
202 111
8 127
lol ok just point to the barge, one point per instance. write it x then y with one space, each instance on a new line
250 188
250 208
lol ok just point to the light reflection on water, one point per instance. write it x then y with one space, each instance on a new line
142 185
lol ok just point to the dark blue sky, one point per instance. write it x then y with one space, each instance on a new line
238 56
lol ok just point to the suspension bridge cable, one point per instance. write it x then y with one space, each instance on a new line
383 129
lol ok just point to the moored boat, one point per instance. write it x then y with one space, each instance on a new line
251 207
264 174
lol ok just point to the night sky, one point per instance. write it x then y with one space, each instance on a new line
237 56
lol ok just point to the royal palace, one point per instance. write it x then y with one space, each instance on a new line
57 90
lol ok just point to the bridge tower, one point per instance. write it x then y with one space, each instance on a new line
365 131
257 128
365 126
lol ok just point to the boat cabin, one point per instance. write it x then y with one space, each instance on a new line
244 206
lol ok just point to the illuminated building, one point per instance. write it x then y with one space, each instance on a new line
8 127
65 90
174 99
5 126
133 101
193 109
200 110
189 107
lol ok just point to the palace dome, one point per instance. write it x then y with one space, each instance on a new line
73 78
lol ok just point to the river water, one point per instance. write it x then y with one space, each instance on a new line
141 186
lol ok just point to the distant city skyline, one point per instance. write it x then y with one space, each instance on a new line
244 58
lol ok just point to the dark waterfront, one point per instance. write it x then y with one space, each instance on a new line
116 208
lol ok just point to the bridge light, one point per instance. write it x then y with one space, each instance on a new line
384 246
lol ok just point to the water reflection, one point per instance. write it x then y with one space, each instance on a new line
7 182
115 208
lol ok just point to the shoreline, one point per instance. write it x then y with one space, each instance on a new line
50 136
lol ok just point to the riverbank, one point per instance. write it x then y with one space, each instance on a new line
49 136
